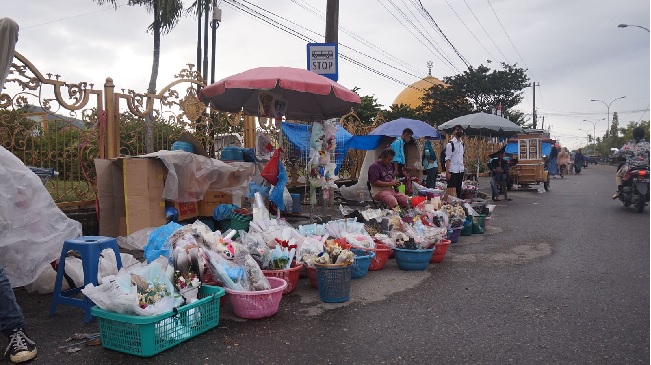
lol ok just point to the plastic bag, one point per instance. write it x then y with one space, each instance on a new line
272 168
276 195
230 274
255 277
224 211
137 240
309 248
158 244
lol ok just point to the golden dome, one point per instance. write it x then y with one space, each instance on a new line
411 94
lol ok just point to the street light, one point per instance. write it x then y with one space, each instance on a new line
631 25
608 106
594 134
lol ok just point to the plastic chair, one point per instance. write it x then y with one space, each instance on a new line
89 248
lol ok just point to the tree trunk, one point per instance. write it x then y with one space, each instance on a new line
149 120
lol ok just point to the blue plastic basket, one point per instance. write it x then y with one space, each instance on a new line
183 146
232 153
363 260
413 260
148 336
334 282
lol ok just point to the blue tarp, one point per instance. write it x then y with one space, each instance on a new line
299 136
512 147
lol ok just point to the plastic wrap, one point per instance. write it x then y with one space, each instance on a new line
158 244
32 227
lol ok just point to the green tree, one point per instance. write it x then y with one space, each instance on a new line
368 109
442 103
405 111
478 90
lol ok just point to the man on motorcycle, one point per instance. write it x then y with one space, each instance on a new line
636 152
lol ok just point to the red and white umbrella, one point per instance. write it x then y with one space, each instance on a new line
275 92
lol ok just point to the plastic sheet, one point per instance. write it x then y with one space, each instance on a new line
189 176
32 227
158 244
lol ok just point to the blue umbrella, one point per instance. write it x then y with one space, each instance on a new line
394 128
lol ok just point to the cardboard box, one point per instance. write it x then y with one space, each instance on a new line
213 198
186 210
130 192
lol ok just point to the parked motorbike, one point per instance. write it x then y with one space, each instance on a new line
635 188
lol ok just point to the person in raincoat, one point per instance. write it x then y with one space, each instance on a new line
430 164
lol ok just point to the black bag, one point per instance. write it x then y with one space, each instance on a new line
442 159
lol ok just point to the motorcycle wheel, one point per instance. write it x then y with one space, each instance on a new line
639 206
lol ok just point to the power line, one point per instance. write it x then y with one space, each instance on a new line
465 25
510 41
485 31
441 56
311 9
303 37
429 16
74 16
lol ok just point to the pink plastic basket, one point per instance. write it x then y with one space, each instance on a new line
257 304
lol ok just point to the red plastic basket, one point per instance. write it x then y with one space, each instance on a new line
382 253
311 274
290 275
257 304
441 249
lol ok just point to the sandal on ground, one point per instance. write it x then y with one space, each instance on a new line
508 199
497 199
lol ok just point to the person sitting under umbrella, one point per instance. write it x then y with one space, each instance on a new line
499 168
383 182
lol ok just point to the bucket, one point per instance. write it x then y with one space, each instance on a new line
310 271
413 260
382 253
362 262
454 233
478 224
334 282
257 304
290 275
441 249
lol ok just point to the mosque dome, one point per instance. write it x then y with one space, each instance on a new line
411 94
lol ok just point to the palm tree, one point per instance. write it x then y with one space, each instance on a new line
166 15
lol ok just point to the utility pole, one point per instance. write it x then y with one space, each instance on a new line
543 123
535 121
332 22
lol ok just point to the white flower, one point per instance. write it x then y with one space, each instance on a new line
195 282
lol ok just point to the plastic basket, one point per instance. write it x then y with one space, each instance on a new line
182 146
454 233
362 262
334 282
148 336
441 249
290 275
382 253
467 227
257 304
478 224
413 260
310 271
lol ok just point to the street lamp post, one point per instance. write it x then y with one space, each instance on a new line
631 25
608 106
594 134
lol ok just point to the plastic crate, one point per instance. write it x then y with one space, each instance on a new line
148 336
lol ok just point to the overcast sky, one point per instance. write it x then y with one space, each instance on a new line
573 48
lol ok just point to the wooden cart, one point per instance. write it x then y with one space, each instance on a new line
530 168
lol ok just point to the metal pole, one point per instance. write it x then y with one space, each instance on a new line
205 43
199 40
216 18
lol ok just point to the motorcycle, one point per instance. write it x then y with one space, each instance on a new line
635 188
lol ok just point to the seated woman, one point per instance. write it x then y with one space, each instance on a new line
383 183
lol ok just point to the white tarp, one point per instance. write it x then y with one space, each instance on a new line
32 227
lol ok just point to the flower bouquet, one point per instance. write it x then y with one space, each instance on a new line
188 285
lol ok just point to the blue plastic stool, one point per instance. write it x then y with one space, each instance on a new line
89 247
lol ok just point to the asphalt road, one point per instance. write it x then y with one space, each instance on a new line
559 278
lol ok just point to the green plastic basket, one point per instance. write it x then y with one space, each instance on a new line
238 222
148 336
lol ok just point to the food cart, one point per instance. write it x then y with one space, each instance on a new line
530 168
